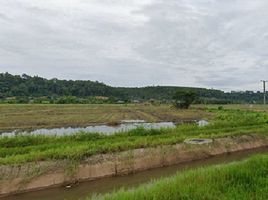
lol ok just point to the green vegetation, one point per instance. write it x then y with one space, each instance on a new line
249 107
27 89
183 99
21 149
239 180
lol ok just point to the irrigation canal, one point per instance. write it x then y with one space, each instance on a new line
106 185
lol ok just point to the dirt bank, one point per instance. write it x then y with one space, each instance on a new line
34 176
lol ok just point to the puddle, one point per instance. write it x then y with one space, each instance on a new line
105 129
126 125
133 121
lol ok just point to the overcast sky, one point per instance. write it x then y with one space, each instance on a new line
206 43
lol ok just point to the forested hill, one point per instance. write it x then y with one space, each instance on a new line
27 87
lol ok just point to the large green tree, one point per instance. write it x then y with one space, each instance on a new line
183 99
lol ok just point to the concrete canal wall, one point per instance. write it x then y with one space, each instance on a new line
39 175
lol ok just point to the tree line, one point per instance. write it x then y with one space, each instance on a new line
35 89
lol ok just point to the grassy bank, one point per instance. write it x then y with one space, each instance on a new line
240 180
34 116
21 149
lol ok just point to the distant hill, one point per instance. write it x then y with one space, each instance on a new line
27 87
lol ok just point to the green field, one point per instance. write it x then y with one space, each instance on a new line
240 180
34 116
244 180
21 149
249 107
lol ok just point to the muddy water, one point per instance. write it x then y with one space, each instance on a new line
129 181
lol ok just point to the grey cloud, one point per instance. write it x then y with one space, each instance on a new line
3 17
204 43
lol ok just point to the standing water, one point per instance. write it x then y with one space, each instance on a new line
126 125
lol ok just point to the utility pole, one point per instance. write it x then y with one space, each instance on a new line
264 91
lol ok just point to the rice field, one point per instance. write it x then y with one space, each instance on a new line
36 116
240 180
21 149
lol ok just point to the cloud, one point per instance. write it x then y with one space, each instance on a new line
203 43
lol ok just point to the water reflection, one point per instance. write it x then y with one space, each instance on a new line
126 125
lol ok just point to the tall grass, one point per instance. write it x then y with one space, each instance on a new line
21 149
244 180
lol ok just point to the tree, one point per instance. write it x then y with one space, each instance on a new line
37 87
183 99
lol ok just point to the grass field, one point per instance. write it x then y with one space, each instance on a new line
21 149
249 107
32 116
244 180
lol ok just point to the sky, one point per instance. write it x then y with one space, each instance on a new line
219 44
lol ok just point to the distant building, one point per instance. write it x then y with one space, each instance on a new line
11 98
249 92
136 101
101 97
237 92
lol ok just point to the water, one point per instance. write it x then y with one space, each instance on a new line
126 125
106 129
106 185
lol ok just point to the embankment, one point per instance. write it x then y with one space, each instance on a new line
35 176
